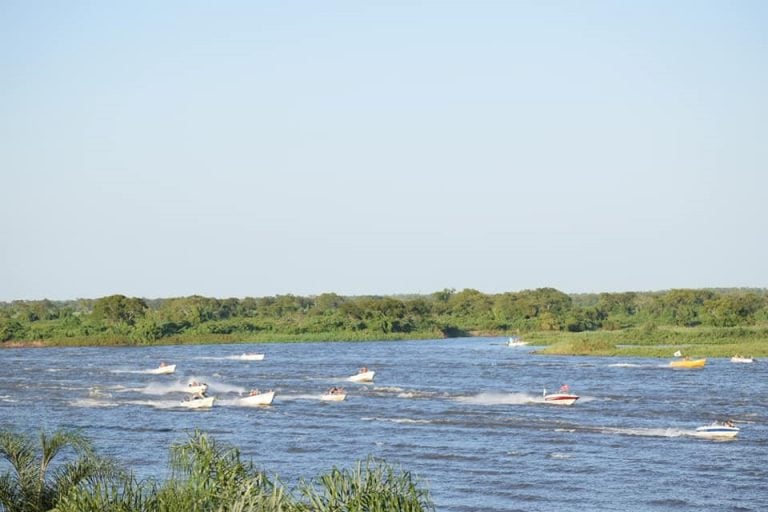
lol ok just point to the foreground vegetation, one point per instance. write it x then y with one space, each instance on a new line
715 322
205 476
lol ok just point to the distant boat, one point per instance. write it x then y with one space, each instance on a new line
718 430
334 395
198 402
363 375
197 388
251 357
688 363
256 398
163 369
739 359
562 397
514 341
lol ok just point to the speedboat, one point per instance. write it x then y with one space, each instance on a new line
197 388
688 363
257 399
163 369
364 375
198 402
739 359
514 341
251 357
334 395
560 398
725 430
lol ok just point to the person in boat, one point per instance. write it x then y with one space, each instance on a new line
363 370
564 388
254 392
162 364
729 423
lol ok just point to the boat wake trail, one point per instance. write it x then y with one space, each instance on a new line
500 399
648 432
395 420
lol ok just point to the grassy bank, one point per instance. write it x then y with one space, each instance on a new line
657 342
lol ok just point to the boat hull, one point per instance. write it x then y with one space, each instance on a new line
742 360
363 377
690 363
333 397
717 431
199 403
163 370
560 399
251 357
258 400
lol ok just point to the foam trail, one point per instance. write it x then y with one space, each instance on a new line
490 398
395 420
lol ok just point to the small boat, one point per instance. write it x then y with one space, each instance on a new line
562 397
739 359
197 388
334 395
725 430
257 398
363 375
163 369
198 402
514 341
251 357
688 363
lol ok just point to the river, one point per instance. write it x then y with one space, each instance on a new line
465 415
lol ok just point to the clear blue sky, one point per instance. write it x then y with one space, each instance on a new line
232 149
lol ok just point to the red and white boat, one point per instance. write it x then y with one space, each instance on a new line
562 397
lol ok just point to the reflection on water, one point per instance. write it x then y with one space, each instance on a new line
467 415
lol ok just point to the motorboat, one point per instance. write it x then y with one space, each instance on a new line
739 359
163 369
198 402
257 398
251 357
688 363
725 430
363 375
197 388
334 395
514 341
560 399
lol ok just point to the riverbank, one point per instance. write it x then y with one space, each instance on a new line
656 342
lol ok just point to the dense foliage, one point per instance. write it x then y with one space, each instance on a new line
205 476
448 313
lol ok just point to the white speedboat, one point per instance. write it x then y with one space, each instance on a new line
364 375
163 369
198 402
739 359
560 398
257 399
514 341
197 388
718 430
334 395
251 357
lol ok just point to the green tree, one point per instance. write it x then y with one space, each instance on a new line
117 309
29 486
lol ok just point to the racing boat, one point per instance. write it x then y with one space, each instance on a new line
251 357
197 388
740 359
514 341
688 363
363 375
334 395
198 402
724 430
257 398
163 369
562 397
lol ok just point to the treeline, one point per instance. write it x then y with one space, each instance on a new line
447 313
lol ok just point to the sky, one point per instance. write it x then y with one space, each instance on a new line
233 149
